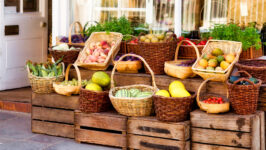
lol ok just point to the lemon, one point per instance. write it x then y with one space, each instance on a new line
176 84
163 93
93 87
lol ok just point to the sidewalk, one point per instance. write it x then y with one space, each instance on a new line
15 134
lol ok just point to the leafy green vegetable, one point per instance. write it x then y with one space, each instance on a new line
248 36
46 69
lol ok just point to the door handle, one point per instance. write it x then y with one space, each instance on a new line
43 24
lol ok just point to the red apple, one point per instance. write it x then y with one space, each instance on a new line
106 51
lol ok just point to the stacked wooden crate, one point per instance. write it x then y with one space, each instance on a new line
106 128
227 131
149 133
53 114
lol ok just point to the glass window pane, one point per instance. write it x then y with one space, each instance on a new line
109 3
30 5
12 5
163 19
107 15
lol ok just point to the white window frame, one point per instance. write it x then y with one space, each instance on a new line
61 15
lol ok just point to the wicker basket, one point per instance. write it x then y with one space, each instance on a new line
43 85
188 51
68 90
257 68
211 108
158 53
244 98
173 109
128 66
94 101
70 34
96 37
133 106
133 48
182 72
69 57
227 47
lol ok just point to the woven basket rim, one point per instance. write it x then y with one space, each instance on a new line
131 86
65 86
94 91
255 84
251 67
31 75
171 64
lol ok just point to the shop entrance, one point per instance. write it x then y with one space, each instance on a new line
23 37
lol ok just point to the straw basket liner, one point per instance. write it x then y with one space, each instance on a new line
244 98
68 90
173 109
69 56
211 108
133 106
44 85
227 47
69 34
182 72
97 37
256 67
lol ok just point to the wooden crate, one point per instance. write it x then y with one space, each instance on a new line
106 128
147 133
227 131
53 114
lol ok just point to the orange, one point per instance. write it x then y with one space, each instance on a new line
230 58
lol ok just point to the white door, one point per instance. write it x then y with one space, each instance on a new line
29 19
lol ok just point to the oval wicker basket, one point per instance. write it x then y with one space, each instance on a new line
173 109
69 57
157 53
133 106
44 85
187 51
227 47
182 72
211 108
256 67
244 98
68 90
128 66
97 37
70 34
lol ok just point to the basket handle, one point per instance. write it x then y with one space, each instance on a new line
70 30
77 71
243 79
145 63
179 45
201 86
245 72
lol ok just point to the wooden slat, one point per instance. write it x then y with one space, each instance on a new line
230 138
99 137
104 120
55 129
255 133
16 95
162 81
151 127
262 130
198 146
57 115
228 121
152 143
55 100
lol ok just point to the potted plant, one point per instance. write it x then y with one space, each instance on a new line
250 38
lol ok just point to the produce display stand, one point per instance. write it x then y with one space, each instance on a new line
106 128
149 133
53 114
227 131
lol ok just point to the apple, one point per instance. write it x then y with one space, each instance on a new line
104 43
89 51
92 58
98 45
96 53
106 51
92 46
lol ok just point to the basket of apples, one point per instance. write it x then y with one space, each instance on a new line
129 64
212 103
99 49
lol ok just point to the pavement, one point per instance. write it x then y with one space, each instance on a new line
15 134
